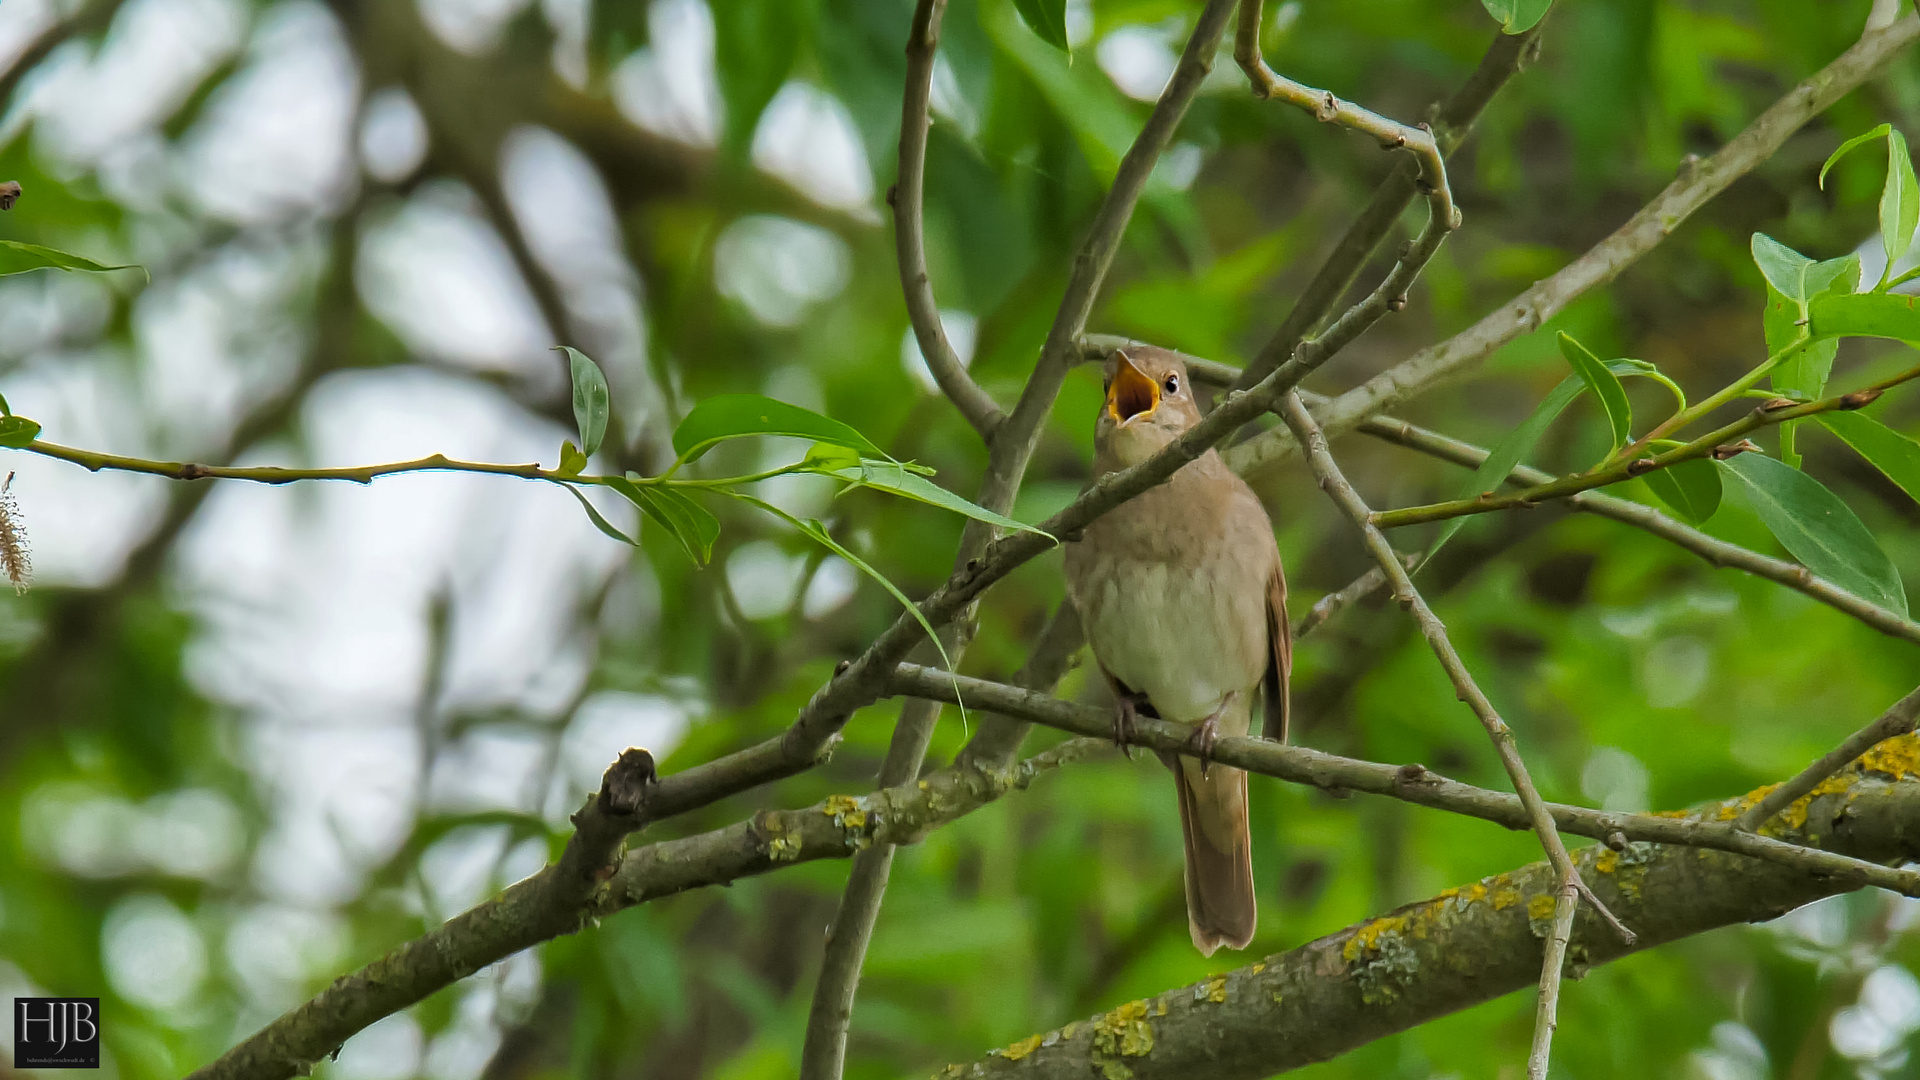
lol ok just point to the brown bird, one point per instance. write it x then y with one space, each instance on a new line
1185 604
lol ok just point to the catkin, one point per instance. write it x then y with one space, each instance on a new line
15 560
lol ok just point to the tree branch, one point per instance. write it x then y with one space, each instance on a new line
1897 720
1508 55
907 199
1320 459
1654 222
1458 949
1417 784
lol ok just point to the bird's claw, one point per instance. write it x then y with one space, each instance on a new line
1205 734
1124 711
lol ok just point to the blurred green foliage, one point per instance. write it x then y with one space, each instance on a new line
1634 675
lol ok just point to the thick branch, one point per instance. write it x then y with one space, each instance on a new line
1458 949
910 248
1605 261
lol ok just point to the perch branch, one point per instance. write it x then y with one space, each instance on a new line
1897 720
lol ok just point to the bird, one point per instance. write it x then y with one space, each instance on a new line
1184 602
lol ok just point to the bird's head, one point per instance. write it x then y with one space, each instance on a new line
1148 404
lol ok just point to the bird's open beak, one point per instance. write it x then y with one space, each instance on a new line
1132 393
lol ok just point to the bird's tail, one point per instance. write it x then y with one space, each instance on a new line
1213 818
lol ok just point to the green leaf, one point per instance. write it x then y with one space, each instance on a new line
18 258
1851 144
736 416
1884 448
4 411
571 459
17 431
1605 386
1047 19
891 476
1899 201
1818 529
1784 268
1690 489
1882 315
693 525
600 522
591 400
1517 16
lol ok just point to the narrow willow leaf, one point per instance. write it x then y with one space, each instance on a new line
4 411
1818 529
693 525
571 459
1884 448
1047 19
1690 489
1605 386
18 258
1899 201
1851 144
819 535
889 476
1517 16
600 522
17 432
591 399
737 416
1520 442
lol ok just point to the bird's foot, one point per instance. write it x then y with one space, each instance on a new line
1125 710
1207 732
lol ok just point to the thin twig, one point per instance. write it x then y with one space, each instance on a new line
1323 106
1897 720
1320 459
1453 120
1719 443
907 199
1697 183
1051 657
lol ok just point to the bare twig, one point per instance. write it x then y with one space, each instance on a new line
1654 222
909 236
1320 459
1508 55
1323 106
1051 658
1897 720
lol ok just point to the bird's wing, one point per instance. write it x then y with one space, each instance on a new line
1280 670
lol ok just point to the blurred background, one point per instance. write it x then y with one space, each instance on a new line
250 737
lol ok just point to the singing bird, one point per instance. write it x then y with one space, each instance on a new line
1185 605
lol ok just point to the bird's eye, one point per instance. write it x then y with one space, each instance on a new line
1173 384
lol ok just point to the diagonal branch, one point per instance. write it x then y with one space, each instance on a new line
1898 720
1697 183
1320 459
1462 947
909 235
1718 552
